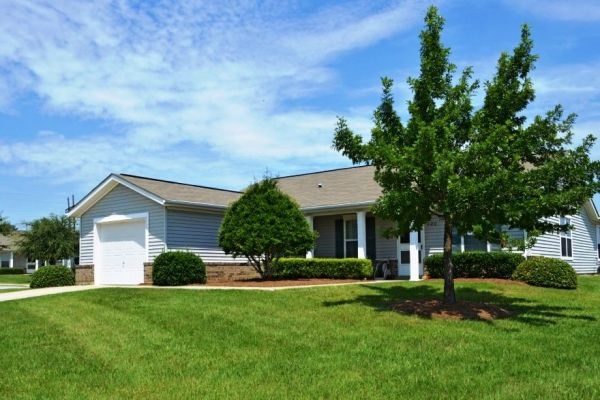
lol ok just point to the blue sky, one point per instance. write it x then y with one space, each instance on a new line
215 93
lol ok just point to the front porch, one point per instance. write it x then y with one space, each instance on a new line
358 233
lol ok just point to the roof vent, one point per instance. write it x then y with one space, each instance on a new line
319 185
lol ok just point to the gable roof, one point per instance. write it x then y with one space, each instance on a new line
9 242
338 188
166 193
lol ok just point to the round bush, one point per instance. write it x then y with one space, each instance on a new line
546 272
52 276
176 268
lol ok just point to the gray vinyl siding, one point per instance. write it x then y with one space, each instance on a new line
325 243
584 259
434 236
386 248
122 200
197 232
547 245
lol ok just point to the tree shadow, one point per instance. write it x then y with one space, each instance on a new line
424 301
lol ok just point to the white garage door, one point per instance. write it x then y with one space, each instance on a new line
122 253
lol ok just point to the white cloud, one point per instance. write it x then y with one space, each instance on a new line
211 75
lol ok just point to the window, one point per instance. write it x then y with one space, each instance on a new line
566 240
474 244
351 238
467 242
4 260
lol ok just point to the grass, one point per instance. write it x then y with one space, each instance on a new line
21 278
333 342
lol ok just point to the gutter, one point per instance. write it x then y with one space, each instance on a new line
341 206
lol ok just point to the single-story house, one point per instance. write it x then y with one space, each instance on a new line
126 221
11 257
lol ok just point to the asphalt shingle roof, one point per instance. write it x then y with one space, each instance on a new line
337 187
182 192
330 188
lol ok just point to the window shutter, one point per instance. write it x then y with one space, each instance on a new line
339 238
371 239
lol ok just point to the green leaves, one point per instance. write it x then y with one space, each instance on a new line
263 225
6 228
475 169
50 239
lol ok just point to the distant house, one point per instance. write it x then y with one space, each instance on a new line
128 220
10 257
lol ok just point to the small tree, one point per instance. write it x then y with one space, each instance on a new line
50 239
474 170
263 225
6 228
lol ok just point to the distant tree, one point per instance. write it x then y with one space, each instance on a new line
50 239
263 225
6 228
475 170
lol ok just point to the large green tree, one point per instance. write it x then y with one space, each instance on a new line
6 228
50 239
263 225
477 170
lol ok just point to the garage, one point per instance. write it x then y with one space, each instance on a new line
121 252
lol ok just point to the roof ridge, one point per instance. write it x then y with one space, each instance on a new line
320 172
178 183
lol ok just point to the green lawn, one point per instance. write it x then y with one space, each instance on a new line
21 278
333 342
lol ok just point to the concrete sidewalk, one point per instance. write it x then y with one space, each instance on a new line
27 293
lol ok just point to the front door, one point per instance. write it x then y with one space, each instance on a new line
404 254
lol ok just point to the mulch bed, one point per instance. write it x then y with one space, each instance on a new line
461 310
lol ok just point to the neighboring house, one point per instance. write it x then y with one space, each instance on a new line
10 257
128 220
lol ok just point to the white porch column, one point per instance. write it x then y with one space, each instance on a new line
309 218
414 255
361 227
11 262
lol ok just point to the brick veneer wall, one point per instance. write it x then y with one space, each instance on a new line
148 273
84 274
229 272
214 272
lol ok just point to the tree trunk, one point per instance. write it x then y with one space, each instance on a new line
449 295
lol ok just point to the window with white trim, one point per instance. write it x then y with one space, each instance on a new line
350 238
566 239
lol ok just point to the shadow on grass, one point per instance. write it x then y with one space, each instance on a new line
531 312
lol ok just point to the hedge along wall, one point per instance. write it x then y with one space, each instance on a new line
332 268
476 264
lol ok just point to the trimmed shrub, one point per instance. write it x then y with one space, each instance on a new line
52 276
476 264
176 268
332 268
546 272
11 271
